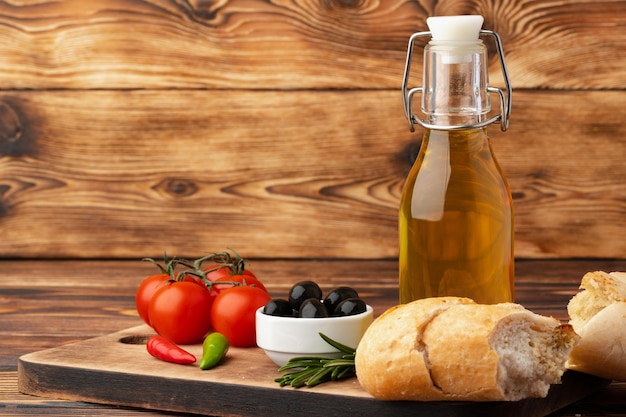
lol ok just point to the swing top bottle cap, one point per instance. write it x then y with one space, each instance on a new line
455 28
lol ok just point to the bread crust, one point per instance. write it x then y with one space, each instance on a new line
602 348
598 314
390 359
440 349
474 357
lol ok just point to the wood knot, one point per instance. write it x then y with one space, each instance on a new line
177 187
4 205
407 156
343 4
12 138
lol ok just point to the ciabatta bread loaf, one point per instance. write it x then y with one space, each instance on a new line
598 314
450 348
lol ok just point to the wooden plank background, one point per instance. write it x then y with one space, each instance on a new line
129 127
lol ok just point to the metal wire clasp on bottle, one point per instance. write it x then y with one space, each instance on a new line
505 99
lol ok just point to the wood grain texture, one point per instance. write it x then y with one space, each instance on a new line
45 304
103 174
259 44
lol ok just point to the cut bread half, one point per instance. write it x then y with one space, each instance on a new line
452 349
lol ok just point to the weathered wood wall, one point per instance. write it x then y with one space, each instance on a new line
129 127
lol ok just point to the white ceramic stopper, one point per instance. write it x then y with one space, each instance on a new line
455 28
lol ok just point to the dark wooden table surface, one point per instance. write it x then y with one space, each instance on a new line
45 304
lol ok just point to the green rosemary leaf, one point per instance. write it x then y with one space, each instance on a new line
313 370
296 365
346 372
335 371
307 358
320 376
302 377
340 362
340 347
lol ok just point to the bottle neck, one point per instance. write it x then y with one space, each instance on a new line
455 83
462 143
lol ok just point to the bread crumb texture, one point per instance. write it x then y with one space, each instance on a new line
452 349
598 290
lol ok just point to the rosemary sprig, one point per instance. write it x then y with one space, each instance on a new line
313 370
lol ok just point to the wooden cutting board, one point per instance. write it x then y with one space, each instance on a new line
116 369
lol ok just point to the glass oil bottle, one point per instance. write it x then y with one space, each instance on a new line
456 215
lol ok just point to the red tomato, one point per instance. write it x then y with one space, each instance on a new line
146 290
233 314
217 271
181 312
244 279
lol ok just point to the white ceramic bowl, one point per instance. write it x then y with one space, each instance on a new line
283 338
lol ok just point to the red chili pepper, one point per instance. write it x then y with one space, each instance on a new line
163 349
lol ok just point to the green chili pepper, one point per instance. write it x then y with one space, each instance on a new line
214 349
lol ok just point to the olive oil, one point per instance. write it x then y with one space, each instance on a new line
456 221
456 215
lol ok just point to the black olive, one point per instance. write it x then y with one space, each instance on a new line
278 307
350 307
312 308
302 291
337 295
